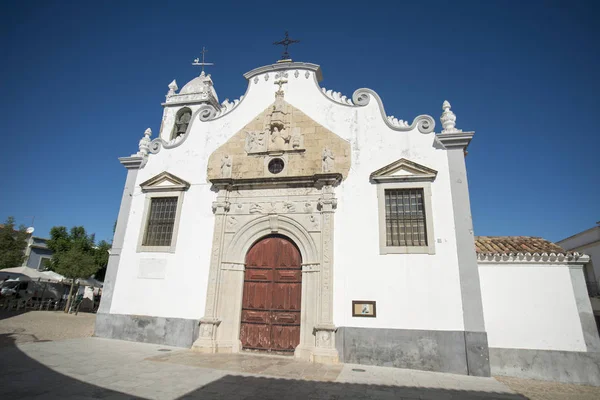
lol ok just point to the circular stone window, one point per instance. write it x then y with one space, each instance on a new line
276 165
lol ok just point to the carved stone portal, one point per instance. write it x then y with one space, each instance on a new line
245 214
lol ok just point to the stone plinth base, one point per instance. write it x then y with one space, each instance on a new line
178 332
456 352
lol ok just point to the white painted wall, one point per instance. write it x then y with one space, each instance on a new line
412 291
530 307
586 242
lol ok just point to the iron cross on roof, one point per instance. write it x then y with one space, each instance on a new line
285 43
197 60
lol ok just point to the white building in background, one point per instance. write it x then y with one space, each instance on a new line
588 242
300 221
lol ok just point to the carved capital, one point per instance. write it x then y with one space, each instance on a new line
327 204
233 267
311 268
220 207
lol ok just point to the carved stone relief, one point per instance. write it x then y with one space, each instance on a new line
281 131
328 160
278 207
314 222
232 222
226 164
277 134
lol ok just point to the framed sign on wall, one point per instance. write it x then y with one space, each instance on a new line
364 308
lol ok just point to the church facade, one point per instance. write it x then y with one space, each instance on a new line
298 221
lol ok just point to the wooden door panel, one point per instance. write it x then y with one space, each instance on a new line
253 274
285 318
285 338
287 275
256 336
272 296
286 296
256 317
257 295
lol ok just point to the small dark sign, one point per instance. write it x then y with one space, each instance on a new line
364 308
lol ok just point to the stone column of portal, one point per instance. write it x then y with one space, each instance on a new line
325 351
103 325
476 344
206 342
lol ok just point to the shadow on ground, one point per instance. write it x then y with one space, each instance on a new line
12 313
248 387
23 377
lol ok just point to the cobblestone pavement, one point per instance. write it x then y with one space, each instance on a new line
32 326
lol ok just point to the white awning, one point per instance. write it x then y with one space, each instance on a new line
32 274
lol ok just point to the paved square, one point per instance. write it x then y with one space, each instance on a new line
111 369
34 367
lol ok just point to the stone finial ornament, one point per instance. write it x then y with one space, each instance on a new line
172 88
448 119
144 144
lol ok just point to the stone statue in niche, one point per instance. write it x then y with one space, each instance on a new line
328 160
279 139
181 123
226 163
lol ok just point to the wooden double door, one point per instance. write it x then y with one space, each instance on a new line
272 296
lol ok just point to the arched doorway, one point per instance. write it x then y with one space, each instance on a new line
272 296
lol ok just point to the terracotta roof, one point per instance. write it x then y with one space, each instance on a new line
515 244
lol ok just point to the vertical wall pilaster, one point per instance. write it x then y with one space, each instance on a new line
133 165
206 342
325 350
476 346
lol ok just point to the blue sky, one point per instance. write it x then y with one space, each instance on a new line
83 80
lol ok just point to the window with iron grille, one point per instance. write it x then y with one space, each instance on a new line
161 220
405 217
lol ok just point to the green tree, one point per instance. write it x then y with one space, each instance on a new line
101 257
13 243
75 255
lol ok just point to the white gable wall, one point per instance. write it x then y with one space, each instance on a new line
413 291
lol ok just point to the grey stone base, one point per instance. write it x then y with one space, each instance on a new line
141 328
559 366
455 352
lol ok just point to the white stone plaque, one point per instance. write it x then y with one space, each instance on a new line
152 268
